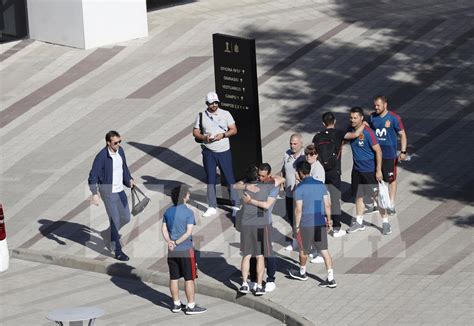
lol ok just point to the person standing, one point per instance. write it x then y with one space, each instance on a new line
218 125
255 228
177 229
366 169
108 175
388 126
312 221
292 156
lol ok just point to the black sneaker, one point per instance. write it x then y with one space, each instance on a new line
194 311
391 211
121 256
244 289
386 229
259 291
297 275
178 307
328 284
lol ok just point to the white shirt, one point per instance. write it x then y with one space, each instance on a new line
317 171
289 168
214 124
117 171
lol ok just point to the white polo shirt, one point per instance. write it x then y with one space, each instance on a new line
317 171
289 167
214 124
117 171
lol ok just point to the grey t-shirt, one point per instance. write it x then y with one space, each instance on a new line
253 215
289 169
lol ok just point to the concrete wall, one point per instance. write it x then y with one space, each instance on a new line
87 23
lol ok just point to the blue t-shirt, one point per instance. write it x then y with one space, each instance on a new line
177 219
311 192
362 152
386 130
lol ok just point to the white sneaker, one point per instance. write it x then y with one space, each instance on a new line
210 211
336 233
270 286
317 260
292 246
235 209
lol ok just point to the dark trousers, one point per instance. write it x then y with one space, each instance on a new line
333 182
223 160
116 206
270 264
289 210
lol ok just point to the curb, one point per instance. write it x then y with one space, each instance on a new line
123 270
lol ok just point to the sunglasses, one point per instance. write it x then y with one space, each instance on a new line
310 154
117 142
215 102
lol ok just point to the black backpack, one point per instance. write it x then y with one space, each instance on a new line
328 150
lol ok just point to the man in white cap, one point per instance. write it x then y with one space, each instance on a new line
214 129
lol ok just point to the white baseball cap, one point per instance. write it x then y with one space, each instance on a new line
212 97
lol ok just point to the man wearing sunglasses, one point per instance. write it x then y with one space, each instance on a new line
217 126
107 177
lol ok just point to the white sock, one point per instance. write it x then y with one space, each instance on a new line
177 303
259 285
330 274
360 219
245 283
302 269
384 219
191 304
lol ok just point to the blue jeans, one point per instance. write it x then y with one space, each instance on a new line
223 160
116 206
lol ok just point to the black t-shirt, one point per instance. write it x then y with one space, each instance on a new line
338 137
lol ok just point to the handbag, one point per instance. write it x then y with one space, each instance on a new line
201 129
384 196
138 205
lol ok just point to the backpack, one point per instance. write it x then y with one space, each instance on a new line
328 151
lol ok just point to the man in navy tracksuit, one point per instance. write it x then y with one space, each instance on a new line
107 177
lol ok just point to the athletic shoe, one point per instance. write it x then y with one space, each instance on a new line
318 259
235 209
196 310
178 307
391 211
370 208
386 228
338 232
259 291
244 289
270 286
292 246
210 212
297 275
121 256
328 284
356 227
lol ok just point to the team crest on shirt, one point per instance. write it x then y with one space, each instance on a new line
387 124
361 136
361 140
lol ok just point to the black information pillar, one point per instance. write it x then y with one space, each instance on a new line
235 71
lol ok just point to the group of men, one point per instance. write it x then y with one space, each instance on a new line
310 178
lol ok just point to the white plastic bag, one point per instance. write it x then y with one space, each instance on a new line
384 196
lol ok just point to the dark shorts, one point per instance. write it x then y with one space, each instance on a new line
363 183
389 170
255 240
312 237
182 264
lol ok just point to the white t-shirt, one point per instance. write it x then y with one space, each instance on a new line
289 168
117 172
216 123
317 171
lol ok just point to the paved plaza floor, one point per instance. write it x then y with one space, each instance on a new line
57 103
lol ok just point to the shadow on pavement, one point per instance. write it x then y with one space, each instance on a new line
76 232
124 278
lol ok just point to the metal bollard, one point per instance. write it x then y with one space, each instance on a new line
4 255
